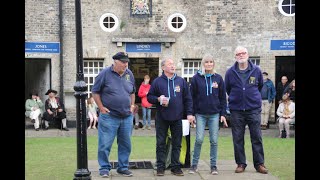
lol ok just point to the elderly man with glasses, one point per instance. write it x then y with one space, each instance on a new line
243 83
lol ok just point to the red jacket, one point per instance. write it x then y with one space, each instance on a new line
142 93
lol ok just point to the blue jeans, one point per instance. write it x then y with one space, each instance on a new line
213 124
108 128
161 134
146 113
239 119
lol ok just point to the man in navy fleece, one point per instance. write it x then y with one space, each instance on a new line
171 95
243 83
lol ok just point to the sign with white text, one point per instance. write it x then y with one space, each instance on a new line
282 44
42 47
143 47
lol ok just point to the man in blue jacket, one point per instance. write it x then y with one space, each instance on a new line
171 95
268 93
243 85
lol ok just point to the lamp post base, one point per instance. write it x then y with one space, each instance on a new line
83 174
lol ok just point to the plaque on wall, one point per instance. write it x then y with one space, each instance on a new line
141 8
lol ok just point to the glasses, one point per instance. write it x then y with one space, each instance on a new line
241 53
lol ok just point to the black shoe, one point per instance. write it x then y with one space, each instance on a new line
160 172
65 128
37 129
126 173
177 172
46 128
33 120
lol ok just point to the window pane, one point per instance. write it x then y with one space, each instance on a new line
85 70
90 87
185 64
95 71
179 25
91 80
86 80
111 25
100 64
196 64
286 2
90 71
90 64
191 64
293 1
95 64
174 25
286 9
100 69
293 9
85 64
111 19
185 71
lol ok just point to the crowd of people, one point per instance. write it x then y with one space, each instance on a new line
248 93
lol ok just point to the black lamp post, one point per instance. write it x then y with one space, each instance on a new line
80 88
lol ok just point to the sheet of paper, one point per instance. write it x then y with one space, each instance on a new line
185 127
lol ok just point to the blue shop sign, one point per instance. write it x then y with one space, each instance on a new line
42 47
143 47
282 44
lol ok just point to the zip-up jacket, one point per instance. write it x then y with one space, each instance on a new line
142 93
208 94
177 89
244 96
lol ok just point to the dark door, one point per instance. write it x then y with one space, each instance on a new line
285 66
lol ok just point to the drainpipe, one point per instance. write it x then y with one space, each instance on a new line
61 51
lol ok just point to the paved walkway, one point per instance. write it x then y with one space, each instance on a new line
226 167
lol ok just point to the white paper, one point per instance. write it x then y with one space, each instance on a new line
185 127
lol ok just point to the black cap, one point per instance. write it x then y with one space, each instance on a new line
265 73
122 56
50 91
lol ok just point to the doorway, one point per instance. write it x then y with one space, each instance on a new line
285 66
141 67
37 76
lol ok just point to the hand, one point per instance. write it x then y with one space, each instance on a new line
59 110
49 111
191 120
38 98
104 110
132 108
34 108
223 119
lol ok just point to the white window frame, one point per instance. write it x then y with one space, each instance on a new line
194 69
280 7
255 60
88 75
184 22
103 27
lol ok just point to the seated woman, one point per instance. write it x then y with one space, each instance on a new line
54 109
92 109
286 113
290 89
33 109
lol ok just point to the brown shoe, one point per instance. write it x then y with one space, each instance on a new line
240 168
262 169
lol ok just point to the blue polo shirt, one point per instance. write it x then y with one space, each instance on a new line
115 90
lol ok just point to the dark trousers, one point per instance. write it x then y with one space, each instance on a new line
161 134
239 121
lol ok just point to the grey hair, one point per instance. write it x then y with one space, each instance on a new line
240 48
205 58
164 60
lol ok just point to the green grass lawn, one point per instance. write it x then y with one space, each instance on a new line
56 158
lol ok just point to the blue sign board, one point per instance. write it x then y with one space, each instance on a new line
143 47
282 44
42 47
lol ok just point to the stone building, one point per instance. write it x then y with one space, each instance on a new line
150 30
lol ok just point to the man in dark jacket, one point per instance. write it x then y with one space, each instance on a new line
268 93
243 85
171 95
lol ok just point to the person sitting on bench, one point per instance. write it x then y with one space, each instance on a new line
286 113
33 109
54 110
